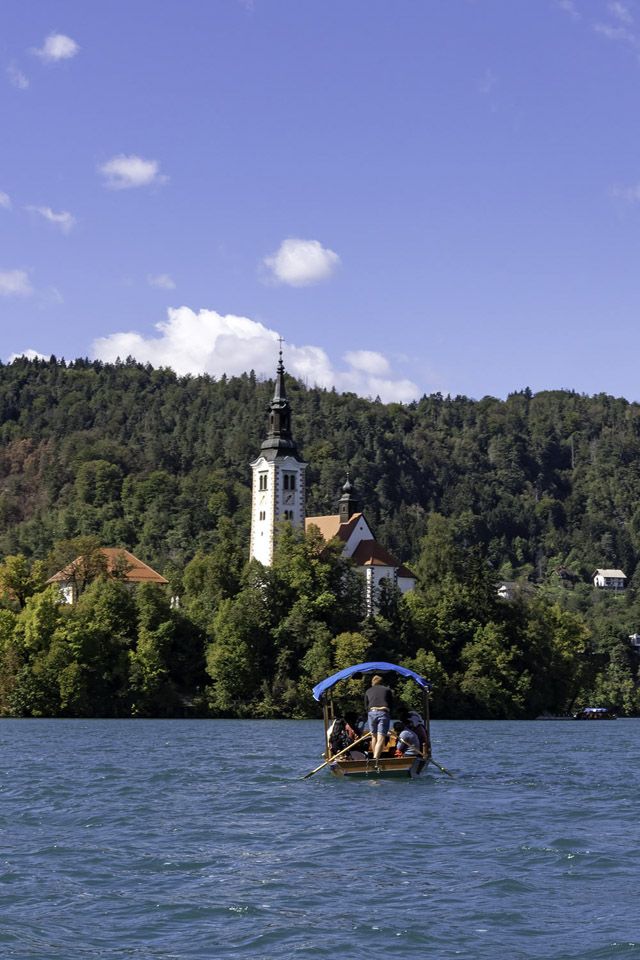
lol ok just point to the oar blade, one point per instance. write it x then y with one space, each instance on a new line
431 760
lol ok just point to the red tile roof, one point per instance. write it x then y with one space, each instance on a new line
369 553
331 527
136 570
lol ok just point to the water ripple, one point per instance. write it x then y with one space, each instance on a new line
150 840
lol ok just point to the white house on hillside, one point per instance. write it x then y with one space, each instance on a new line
609 580
511 589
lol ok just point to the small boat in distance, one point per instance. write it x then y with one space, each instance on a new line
595 713
356 762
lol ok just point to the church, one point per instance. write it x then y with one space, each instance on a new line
278 493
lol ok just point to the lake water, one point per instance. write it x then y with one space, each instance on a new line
150 840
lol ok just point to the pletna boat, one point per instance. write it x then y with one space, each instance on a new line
354 761
595 713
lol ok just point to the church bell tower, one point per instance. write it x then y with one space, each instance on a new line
348 502
278 487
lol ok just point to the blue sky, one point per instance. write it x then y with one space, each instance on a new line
418 195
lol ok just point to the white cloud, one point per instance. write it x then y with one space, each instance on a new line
162 280
621 12
123 172
64 220
5 201
15 283
569 7
29 354
56 47
52 297
17 78
207 342
488 82
368 361
628 194
616 33
301 263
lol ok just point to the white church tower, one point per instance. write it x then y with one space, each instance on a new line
278 489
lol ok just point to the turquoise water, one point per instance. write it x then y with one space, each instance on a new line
190 839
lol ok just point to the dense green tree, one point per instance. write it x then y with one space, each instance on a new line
235 658
210 578
19 579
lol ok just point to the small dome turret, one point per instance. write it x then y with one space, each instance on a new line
348 502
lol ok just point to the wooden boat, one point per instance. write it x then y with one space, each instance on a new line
595 713
342 763
587 713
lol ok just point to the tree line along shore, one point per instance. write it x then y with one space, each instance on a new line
468 493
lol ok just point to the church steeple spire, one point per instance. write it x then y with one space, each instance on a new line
279 440
280 391
278 477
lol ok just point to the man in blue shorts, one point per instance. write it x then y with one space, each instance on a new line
378 702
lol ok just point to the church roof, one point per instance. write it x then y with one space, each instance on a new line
367 553
136 570
370 553
331 527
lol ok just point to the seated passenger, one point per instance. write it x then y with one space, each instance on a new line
413 720
408 744
338 736
353 726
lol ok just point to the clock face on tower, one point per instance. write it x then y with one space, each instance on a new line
288 498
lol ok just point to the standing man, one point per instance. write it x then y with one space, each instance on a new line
378 702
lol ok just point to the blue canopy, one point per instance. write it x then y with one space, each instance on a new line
373 667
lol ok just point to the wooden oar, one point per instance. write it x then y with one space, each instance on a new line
431 760
336 755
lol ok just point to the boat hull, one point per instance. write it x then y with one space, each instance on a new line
385 768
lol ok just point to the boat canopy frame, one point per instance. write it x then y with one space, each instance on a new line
357 671
360 669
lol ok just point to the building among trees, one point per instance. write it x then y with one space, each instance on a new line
610 580
114 563
278 493
278 490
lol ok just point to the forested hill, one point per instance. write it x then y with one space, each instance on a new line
143 459
467 492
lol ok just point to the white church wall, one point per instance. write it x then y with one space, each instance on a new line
275 498
262 510
405 584
361 531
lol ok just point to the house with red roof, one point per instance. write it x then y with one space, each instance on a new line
111 562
